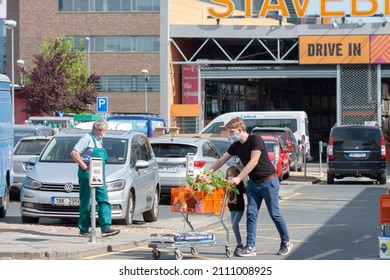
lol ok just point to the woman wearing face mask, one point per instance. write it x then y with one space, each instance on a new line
91 145
263 183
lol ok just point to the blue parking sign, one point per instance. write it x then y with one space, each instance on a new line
102 104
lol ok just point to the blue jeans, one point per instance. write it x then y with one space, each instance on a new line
255 193
235 217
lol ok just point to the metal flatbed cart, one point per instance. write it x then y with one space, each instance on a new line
175 242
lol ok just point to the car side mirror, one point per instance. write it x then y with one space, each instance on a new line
141 164
31 162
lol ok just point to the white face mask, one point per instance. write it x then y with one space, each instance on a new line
233 138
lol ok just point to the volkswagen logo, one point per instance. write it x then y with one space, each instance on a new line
68 187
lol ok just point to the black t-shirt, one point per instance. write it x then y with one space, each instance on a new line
264 167
236 201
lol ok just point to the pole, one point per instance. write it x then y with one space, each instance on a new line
93 216
88 56
13 76
146 93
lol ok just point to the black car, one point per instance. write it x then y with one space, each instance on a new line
356 151
289 141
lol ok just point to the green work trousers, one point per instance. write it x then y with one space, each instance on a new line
103 206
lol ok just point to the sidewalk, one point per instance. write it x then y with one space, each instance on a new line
24 241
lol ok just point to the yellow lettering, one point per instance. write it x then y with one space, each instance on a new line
229 9
325 13
387 8
267 6
372 11
248 8
300 10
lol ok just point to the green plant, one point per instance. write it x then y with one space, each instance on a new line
207 182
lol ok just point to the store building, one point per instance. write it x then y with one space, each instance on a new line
335 70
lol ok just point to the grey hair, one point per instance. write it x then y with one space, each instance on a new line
99 125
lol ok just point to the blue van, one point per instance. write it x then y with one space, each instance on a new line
144 123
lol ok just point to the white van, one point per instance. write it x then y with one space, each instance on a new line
297 121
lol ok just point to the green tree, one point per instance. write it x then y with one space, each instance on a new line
59 80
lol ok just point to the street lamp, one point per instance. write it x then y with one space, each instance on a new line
20 63
88 57
89 66
11 24
145 72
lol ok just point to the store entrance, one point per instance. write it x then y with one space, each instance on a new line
315 96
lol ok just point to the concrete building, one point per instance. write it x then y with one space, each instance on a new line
124 39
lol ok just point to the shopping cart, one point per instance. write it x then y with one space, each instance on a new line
192 240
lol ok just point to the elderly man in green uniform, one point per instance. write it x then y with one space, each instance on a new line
91 145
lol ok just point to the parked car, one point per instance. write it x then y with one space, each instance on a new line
222 145
24 130
144 123
27 148
278 155
51 188
171 155
356 151
288 138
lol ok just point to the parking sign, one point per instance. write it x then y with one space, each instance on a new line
102 105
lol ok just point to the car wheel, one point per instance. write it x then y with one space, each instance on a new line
4 202
130 210
330 179
29 220
152 214
382 178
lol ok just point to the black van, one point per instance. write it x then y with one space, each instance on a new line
356 151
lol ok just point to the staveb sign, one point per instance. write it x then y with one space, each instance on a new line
96 172
359 8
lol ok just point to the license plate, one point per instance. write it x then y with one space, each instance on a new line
357 155
167 168
65 201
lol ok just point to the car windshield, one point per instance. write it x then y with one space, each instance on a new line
59 149
30 147
290 123
21 134
222 146
356 137
269 145
173 150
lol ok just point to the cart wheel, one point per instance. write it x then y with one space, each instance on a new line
194 251
229 253
156 254
178 255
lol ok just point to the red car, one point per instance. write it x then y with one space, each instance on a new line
274 146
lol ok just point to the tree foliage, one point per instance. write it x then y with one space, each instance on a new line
60 79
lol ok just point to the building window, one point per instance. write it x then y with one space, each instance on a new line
115 44
128 84
108 6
